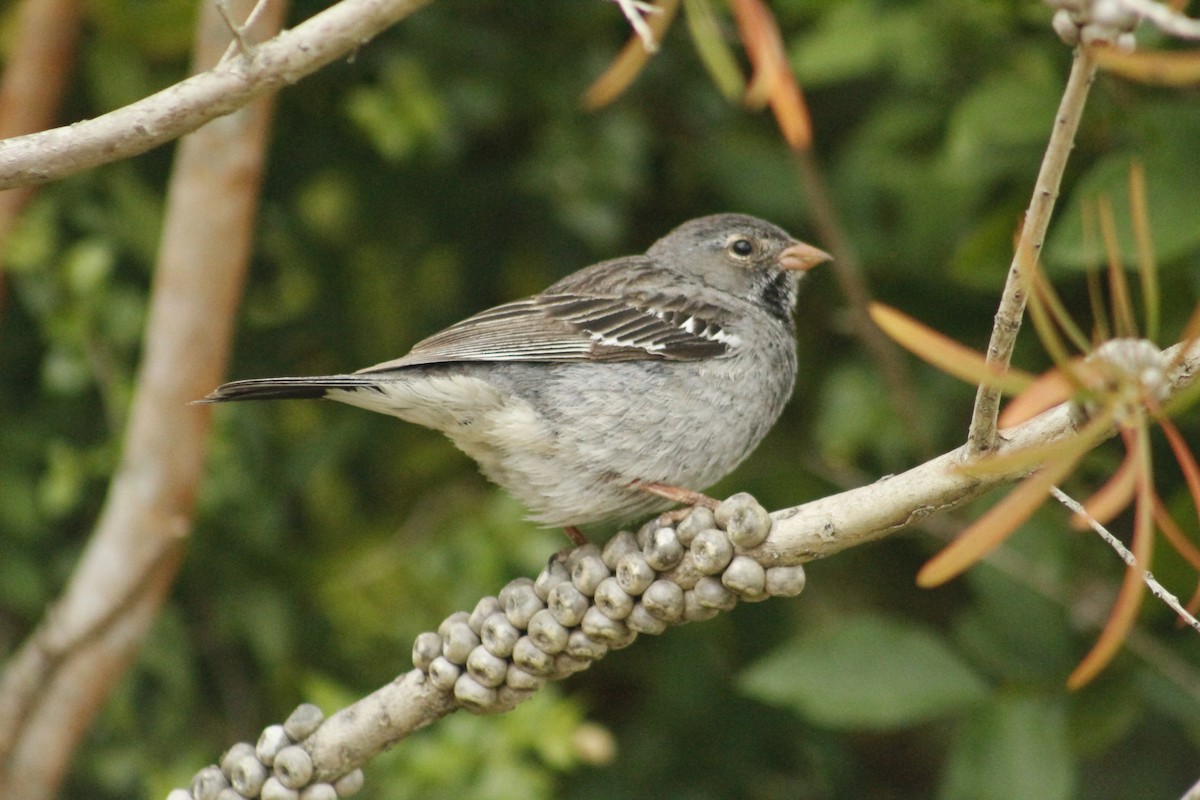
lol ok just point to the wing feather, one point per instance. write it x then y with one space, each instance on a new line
565 325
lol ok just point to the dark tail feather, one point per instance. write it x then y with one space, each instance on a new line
284 388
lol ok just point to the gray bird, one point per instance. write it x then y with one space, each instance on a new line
615 391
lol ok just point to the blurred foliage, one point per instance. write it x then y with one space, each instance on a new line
448 166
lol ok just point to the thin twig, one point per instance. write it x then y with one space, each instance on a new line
635 12
982 435
238 44
133 129
255 30
1156 588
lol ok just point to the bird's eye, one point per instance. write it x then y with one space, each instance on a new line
741 248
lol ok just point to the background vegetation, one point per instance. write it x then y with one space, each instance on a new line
449 166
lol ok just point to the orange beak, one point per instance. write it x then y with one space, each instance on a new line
802 257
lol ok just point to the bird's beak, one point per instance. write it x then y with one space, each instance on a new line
802 257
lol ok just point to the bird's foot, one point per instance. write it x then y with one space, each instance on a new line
576 536
676 494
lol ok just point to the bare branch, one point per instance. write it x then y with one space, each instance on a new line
184 107
982 435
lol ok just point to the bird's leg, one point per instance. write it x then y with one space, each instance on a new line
575 535
676 494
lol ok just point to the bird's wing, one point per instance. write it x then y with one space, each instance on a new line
579 326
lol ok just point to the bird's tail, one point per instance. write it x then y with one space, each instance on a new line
286 388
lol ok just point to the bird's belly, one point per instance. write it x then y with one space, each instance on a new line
672 423
568 444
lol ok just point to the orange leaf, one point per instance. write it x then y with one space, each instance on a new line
1147 269
1129 598
1016 461
630 61
773 81
1047 390
1045 298
1172 532
1111 498
987 532
1118 289
1120 620
791 114
1187 461
944 353
1175 535
1162 68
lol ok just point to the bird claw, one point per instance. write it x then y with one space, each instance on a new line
676 494
576 536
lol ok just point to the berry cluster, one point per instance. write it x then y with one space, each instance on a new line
589 601
277 768
1094 22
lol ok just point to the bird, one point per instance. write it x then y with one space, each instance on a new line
621 390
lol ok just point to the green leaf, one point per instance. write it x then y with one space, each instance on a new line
1002 124
1014 747
848 42
1171 183
715 53
402 113
1013 632
871 672
855 421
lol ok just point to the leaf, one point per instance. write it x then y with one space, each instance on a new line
1159 68
869 673
1147 266
986 533
1005 117
772 80
1015 747
1170 200
847 42
1047 391
1133 590
943 352
714 51
630 62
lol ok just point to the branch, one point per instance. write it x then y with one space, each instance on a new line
184 107
636 12
1157 589
56 683
330 752
982 435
